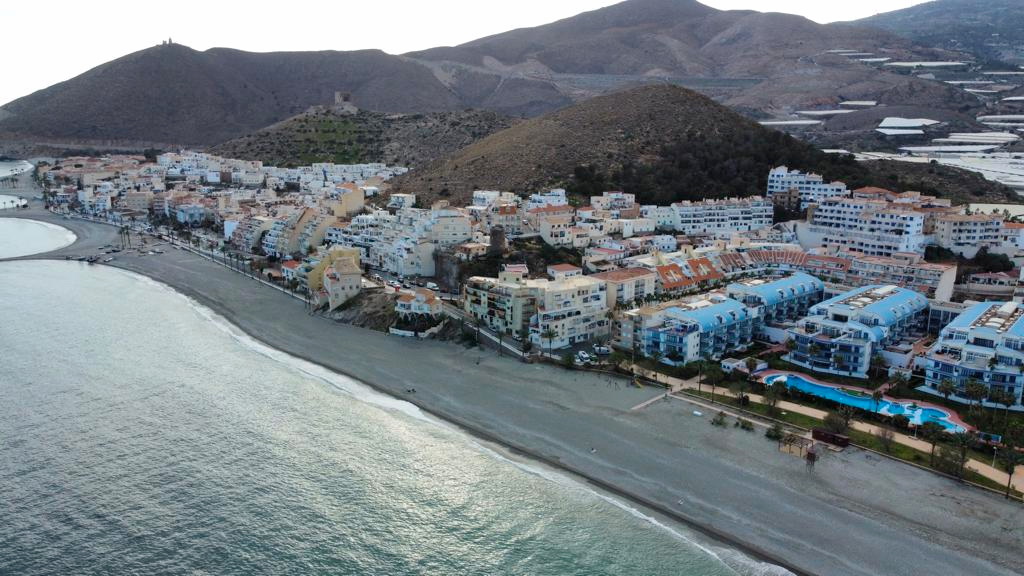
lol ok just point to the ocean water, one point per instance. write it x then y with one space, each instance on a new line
22 237
142 434
9 167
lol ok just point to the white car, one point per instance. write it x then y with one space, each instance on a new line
433 286
602 350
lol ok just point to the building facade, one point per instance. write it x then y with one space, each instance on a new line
985 343
842 334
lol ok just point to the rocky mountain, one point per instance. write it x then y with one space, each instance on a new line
662 143
173 94
760 63
330 134
989 29
749 60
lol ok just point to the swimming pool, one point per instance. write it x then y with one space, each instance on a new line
916 414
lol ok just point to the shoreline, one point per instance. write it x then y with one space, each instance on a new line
645 457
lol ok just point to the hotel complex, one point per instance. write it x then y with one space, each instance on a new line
841 335
985 343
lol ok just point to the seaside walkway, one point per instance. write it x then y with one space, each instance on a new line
676 384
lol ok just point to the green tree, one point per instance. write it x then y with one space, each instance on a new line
975 391
549 335
946 388
963 441
751 364
834 423
877 363
1010 458
713 375
876 399
932 433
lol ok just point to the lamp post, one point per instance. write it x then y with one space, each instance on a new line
995 450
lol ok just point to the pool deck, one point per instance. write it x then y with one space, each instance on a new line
953 415
677 384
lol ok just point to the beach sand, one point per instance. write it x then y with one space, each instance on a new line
856 513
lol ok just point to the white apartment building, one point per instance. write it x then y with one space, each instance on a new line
720 217
965 234
403 243
872 227
555 197
570 310
812 187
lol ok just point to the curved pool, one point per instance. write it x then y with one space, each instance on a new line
917 415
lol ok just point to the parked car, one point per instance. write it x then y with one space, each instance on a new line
602 350
433 286
582 357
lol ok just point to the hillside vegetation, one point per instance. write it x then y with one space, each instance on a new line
324 134
662 143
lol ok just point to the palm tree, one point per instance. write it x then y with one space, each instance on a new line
877 363
876 398
714 375
1007 399
1010 458
751 364
975 391
549 335
790 344
963 441
931 432
946 388
772 394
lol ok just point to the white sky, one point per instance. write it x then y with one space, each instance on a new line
43 44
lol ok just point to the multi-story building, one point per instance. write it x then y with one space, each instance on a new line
871 227
691 331
504 304
965 234
778 300
812 187
342 279
843 333
627 285
569 311
555 197
722 217
905 270
985 343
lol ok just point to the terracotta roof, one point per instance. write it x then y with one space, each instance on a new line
623 274
290 264
564 267
551 209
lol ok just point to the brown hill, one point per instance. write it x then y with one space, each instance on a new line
173 94
763 61
663 143
753 61
326 134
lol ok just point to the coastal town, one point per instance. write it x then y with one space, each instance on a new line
870 286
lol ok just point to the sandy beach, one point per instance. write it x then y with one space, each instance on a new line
855 514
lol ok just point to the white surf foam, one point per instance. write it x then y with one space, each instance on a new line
735 560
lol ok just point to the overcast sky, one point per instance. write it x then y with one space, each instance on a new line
44 43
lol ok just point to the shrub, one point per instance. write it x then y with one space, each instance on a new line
775 432
746 424
885 438
834 423
719 419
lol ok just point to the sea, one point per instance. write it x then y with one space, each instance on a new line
141 433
